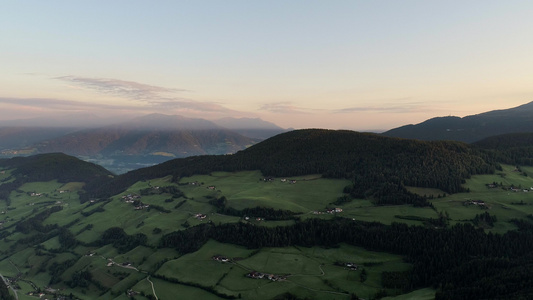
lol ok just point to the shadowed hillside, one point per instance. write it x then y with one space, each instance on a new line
375 163
513 148
175 135
470 128
47 167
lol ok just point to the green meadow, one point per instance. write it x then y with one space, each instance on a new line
307 272
500 201
248 189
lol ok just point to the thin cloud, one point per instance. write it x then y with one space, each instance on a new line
387 108
168 106
183 104
50 103
155 97
127 89
284 108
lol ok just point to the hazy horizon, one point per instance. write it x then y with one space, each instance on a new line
358 65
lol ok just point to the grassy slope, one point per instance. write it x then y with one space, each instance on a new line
306 195
501 203
310 271
247 189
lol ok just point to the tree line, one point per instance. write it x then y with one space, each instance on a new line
436 254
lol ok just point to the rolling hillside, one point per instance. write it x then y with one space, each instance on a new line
374 163
303 215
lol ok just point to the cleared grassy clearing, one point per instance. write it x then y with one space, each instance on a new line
387 214
24 289
311 272
4 175
52 243
167 290
422 294
155 260
136 256
505 204
248 189
195 266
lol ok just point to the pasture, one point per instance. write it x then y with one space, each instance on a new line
307 272
249 189
500 201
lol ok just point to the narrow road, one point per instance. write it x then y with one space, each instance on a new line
153 289
12 288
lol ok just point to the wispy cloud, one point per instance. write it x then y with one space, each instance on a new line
68 105
190 105
284 108
410 107
155 97
391 107
127 89
47 103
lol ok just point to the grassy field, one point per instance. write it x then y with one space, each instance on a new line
248 189
166 290
4 175
500 201
308 271
422 294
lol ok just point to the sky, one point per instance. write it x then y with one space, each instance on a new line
359 65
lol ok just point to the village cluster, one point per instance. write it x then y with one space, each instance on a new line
200 216
135 199
34 194
476 202
512 188
252 218
328 211
351 266
270 179
221 258
252 274
259 275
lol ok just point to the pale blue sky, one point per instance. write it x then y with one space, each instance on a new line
333 64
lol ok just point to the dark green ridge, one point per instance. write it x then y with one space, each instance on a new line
334 154
470 128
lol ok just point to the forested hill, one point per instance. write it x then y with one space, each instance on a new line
370 160
54 166
48 167
507 141
470 128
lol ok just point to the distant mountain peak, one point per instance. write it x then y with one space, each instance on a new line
163 121
251 127
245 123
528 106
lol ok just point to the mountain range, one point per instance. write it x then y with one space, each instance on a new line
176 136
155 138
470 128
137 142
